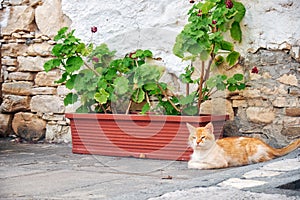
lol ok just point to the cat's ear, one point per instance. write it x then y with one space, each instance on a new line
191 128
210 127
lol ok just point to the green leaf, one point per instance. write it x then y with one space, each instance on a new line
241 86
56 50
150 86
232 88
190 110
101 96
121 85
195 49
178 46
138 96
211 83
148 53
241 11
227 46
204 55
82 109
238 77
219 60
81 48
102 84
235 31
231 80
60 33
145 108
221 86
73 64
63 78
207 6
51 64
70 99
187 100
232 58
70 83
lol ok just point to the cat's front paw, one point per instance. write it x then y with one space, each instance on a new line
196 165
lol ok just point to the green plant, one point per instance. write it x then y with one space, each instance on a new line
108 81
202 38
108 85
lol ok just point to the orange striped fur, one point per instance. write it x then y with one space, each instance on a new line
232 151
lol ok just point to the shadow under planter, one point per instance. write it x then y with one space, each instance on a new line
141 136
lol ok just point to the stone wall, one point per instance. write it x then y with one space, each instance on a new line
32 102
270 106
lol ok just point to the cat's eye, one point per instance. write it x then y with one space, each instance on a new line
203 137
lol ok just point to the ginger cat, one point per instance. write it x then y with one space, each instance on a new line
232 151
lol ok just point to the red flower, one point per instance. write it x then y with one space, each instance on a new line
214 22
199 13
254 70
229 4
94 29
131 55
95 59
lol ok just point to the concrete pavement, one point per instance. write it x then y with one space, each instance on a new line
51 171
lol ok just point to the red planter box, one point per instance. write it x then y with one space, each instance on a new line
142 136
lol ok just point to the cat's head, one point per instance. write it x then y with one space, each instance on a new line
201 137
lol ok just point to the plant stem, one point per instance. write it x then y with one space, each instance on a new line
167 97
95 72
103 108
187 89
130 101
201 86
128 108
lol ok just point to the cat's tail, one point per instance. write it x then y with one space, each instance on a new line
283 151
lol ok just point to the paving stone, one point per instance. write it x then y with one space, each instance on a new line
261 173
241 183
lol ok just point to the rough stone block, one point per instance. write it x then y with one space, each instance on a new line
58 133
9 61
53 117
295 92
14 103
31 64
260 115
259 102
253 93
21 76
42 13
47 78
29 126
239 103
47 104
44 91
5 121
42 49
217 106
14 49
290 79
17 88
293 112
62 90
291 131
20 18
280 102
11 69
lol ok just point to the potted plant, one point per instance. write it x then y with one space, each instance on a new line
113 86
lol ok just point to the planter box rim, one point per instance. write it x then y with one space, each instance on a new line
175 118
